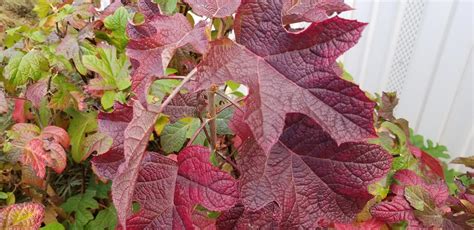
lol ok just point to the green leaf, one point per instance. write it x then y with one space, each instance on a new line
80 125
53 226
161 88
222 121
11 199
106 219
44 113
167 6
170 71
100 189
397 131
81 205
174 135
3 196
117 23
21 67
113 68
107 100
42 8
38 36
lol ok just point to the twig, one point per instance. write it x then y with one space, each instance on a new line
174 93
205 130
230 104
229 99
229 161
173 77
198 131
212 114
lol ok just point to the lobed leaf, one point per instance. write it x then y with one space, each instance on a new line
307 174
266 57
191 180
153 44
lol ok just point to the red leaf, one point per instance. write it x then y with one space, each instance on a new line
395 211
372 224
436 189
19 115
136 137
311 11
58 134
309 175
239 218
112 124
427 160
36 92
290 72
182 105
214 8
35 156
22 216
148 8
183 184
153 44
201 221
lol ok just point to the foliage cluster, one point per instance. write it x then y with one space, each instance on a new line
142 117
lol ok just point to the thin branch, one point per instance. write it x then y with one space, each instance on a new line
229 99
174 93
228 160
211 115
205 130
198 131
173 77
230 104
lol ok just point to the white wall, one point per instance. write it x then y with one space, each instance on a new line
423 49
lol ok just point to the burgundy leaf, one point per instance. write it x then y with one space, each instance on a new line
239 218
311 10
153 44
201 221
113 125
182 105
148 8
309 176
372 224
136 137
290 72
183 184
36 92
395 211
214 8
